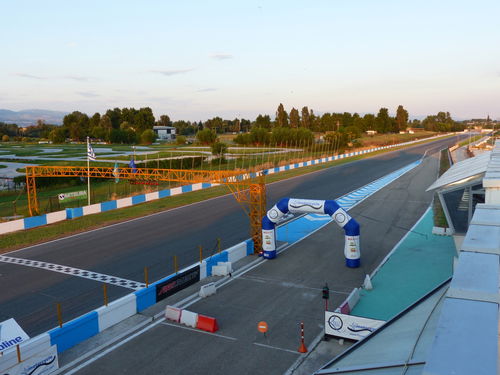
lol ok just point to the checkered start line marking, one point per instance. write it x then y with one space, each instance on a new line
130 284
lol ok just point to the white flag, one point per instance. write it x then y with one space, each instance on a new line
90 151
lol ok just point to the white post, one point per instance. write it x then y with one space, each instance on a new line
88 173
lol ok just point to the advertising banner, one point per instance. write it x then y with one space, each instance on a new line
350 326
176 283
11 334
72 196
42 363
306 205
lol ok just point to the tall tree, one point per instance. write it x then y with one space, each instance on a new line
294 118
281 116
305 119
263 121
401 118
164 121
383 121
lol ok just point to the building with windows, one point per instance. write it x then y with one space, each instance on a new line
165 133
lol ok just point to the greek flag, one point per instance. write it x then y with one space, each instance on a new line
90 151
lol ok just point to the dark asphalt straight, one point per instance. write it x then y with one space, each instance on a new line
124 249
283 292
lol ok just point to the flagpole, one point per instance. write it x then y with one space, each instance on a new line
88 173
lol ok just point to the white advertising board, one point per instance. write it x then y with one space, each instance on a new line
350 326
43 363
11 334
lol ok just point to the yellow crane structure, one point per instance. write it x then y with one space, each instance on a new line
248 188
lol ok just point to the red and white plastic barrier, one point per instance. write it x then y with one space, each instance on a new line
191 319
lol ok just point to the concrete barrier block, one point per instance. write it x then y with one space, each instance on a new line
176 191
203 270
228 265
198 186
116 311
92 209
124 202
222 269
75 331
189 318
237 252
173 314
152 196
11 226
54 217
207 290
35 221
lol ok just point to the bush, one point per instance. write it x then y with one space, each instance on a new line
243 139
292 137
260 136
206 136
5 138
180 140
219 149
148 137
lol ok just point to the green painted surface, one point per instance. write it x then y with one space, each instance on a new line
420 263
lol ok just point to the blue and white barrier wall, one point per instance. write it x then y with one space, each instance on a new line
330 207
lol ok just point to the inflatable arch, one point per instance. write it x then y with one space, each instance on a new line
330 207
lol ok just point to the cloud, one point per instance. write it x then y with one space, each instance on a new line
209 89
77 78
88 94
221 56
172 72
31 76
72 44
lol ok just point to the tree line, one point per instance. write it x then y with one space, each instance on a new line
131 125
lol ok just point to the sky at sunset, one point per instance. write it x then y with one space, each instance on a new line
194 60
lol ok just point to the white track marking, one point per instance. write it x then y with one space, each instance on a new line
199 331
275 347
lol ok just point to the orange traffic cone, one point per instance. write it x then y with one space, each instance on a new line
302 348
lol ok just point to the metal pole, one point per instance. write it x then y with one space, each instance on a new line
105 291
88 173
59 315
18 350
146 277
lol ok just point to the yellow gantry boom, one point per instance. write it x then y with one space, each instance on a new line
250 193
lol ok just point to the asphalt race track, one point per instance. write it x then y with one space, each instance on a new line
283 292
123 250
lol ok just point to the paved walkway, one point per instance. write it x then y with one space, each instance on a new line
418 264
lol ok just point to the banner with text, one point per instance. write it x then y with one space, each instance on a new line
42 363
176 283
11 334
350 326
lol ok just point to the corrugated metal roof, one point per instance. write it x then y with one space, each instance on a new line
463 172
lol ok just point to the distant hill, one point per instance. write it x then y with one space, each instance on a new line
28 117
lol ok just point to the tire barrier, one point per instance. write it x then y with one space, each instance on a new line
330 207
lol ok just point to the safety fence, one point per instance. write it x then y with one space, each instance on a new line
72 213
